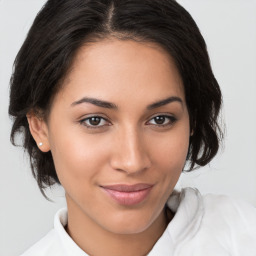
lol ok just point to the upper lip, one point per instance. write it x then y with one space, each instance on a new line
127 187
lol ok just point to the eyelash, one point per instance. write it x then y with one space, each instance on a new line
172 120
90 126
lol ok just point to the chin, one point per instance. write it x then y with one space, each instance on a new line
125 229
130 223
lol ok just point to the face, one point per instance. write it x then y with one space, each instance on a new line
119 133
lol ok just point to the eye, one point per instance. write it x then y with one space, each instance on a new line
94 122
162 120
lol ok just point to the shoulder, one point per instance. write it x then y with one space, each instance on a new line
216 224
231 211
48 245
229 222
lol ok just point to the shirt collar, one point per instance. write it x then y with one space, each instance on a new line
188 208
70 247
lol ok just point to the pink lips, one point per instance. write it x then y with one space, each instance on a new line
128 194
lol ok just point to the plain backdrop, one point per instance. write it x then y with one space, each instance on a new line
229 28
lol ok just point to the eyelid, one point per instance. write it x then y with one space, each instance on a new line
83 121
171 117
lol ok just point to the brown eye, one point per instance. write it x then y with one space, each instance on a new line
94 122
159 119
162 120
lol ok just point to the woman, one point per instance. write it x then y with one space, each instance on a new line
113 99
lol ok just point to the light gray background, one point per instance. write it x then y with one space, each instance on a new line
229 28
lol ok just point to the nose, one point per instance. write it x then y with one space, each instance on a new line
130 152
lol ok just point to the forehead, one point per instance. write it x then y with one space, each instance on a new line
116 70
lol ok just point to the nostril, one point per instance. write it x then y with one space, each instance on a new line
131 164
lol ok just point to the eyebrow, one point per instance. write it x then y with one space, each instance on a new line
109 105
165 102
96 102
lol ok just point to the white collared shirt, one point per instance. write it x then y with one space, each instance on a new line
211 225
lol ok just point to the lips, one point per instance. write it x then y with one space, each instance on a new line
128 194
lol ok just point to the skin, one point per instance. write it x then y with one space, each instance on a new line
127 146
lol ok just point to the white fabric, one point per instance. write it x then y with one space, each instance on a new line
211 225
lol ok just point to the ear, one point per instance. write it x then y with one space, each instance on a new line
39 131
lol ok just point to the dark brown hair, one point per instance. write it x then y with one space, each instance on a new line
62 27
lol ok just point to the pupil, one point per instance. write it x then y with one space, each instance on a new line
94 120
159 119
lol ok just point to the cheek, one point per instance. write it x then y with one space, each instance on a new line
77 156
171 150
169 155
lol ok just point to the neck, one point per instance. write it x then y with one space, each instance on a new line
95 240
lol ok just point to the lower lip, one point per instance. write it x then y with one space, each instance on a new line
128 198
